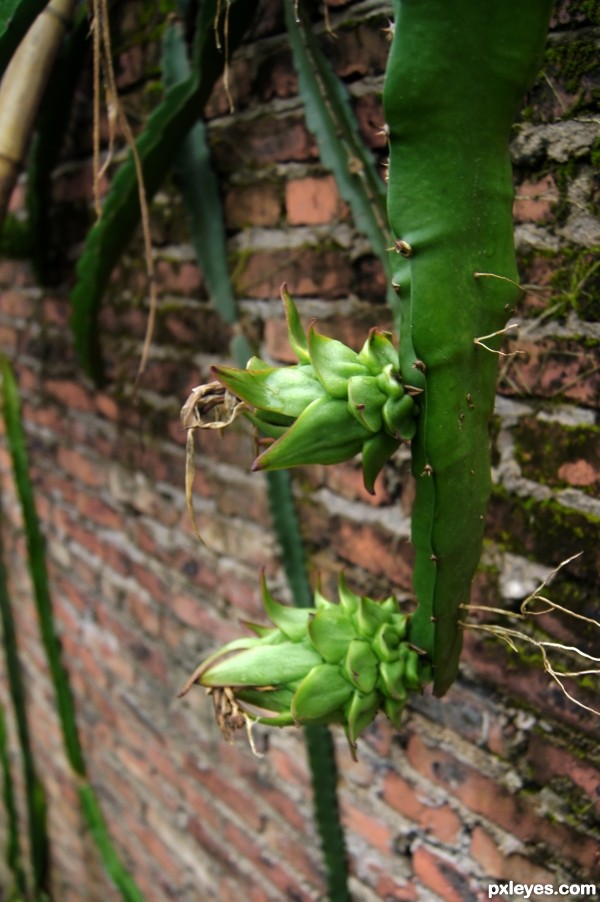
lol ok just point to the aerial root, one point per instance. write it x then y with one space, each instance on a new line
224 408
512 636
483 338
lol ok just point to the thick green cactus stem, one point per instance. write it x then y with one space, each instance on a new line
457 72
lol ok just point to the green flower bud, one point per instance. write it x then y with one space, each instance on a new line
335 403
334 663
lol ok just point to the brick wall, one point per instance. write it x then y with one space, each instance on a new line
499 780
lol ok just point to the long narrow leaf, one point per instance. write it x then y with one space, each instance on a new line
58 673
195 176
99 830
13 846
35 799
37 567
330 118
157 147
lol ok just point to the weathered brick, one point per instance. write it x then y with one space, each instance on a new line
313 201
435 819
441 876
253 205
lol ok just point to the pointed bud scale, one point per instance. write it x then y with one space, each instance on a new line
385 643
323 692
365 402
334 363
291 621
349 600
296 334
399 416
378 352
285 390
376 452
368 617
331 632
360 712
324 433
361 665
263 666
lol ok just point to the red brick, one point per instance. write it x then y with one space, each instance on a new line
313 201
70 394
547 369
253 205
483 796
435 819
379 552
309 272
373 830
534 200
219 787
441 876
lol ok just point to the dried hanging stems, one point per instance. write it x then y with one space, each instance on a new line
103 65
514 636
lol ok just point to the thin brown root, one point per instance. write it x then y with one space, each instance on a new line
249 725
493 275
483 338
210 399
513 636
116 113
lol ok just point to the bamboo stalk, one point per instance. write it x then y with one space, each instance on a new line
22 89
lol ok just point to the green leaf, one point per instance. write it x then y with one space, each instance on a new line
330 118
37 567
13 846
34 791
157 147
51 125
196 180
110 859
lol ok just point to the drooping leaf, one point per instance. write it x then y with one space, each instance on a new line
198 185
58 673
330 118
13 845
35 798
158 146
99 830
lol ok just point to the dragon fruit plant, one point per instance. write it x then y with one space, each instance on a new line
456 75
